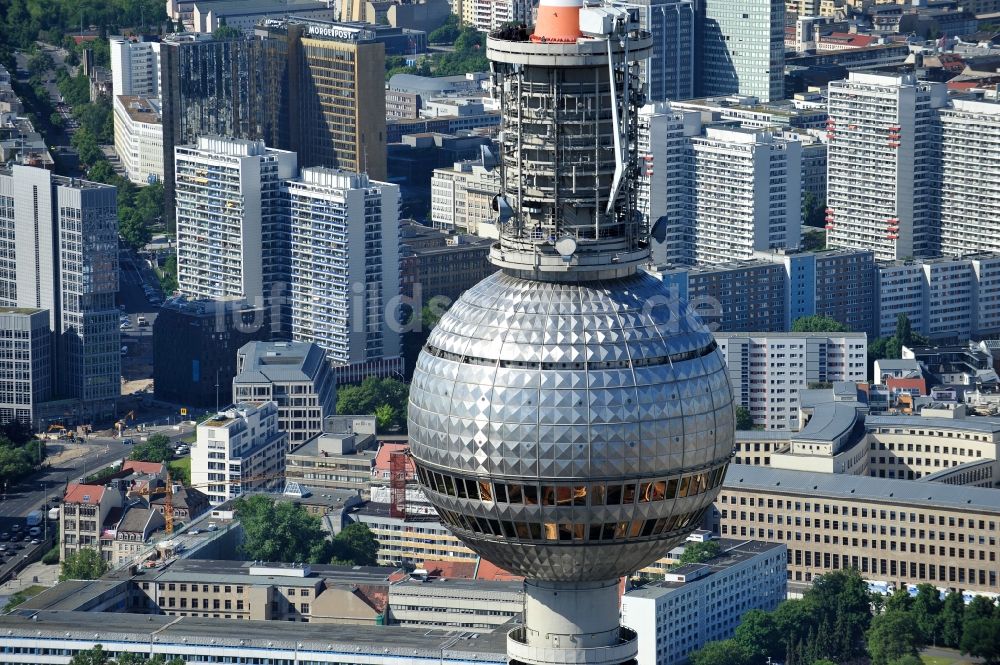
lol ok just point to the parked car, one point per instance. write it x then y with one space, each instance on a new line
128 442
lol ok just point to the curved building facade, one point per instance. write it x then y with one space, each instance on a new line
569 420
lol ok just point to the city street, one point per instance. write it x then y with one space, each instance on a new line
137 362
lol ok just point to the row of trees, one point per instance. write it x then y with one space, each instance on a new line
24 21
386 398
908 623
284 531
156 448
20 452
469 55
839 621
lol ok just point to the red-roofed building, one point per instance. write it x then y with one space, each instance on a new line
898 386
386 449
86 511
480 569
844 41
145 468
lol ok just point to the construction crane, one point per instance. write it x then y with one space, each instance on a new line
168 491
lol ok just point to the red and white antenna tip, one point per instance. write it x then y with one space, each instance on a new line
558 21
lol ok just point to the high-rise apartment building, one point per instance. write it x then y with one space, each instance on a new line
230 218
743 48
238 450
135 67
970 177
312 87
746 194
60 253
768 370
344 269
669 71
25 363
229 87
715 194
488 15
883 172
293 375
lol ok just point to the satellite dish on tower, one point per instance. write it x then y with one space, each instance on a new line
566 246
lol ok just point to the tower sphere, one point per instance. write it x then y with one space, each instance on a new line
570 431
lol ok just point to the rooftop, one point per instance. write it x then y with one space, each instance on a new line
143 629
140 109
861 488
239 572
279 362
972 423
733 552
77 493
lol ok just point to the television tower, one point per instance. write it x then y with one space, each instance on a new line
569 418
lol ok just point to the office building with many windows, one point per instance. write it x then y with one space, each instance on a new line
139 138
294 375
344 270
135 67
61 255
230 218
742 48
669 71
25 363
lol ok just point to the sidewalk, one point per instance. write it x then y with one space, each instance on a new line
36 573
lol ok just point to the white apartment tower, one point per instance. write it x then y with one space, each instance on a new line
135 67
488 15
767 370
712 195
664 146
238 450
462 198
882 166
746 194
344 273
230 218
970 177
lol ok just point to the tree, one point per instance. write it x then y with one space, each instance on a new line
818 323
813 210
840 605
981 639
226 32
56 120
95 656
133 230
758 637
904 332
102 171
908 659
157 448
355 545
386 415
168 278
980 607
700 552
372 393
149 202
893 635
952 619
447 33
39 63
84 564
900 601
14 463
86 146
927 608
282 532
744 421
724 652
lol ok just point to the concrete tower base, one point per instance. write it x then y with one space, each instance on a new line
570 623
